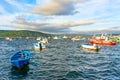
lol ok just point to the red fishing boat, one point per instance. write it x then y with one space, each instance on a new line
103 40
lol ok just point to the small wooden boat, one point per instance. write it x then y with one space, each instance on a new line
21 58
39 46
91 47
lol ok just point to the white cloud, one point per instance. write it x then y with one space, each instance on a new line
56 7
21 23
91 14
74 23
93 7
6 19
111 28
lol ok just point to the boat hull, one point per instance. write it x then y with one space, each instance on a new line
37 46
18 61
90 47
102 42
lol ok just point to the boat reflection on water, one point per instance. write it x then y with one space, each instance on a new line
20 72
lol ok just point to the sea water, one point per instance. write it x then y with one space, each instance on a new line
62 60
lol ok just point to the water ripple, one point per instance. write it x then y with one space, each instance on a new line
62 60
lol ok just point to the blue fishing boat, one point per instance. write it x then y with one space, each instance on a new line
21 58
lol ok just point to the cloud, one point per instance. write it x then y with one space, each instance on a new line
21 23
21 20
109 28
113 28
56 7
6 19
94 8
78 23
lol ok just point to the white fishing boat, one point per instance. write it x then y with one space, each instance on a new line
75 39
8 39
44 40
38 38
39 46
55 37
90 47
64 37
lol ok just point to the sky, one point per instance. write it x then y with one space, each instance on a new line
60 16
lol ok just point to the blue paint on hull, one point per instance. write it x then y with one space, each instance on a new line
21 58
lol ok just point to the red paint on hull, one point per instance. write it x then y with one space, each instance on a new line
102 42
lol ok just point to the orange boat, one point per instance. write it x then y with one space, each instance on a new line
103 40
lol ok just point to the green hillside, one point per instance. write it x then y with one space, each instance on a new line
2 31
22 33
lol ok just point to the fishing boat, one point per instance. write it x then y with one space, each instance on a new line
20 59
57 37
75 39
90 47
44 40
39 46
103 40
64 37
115 38
8 39
38 38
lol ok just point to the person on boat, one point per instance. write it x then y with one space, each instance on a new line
22 55
107 38
40 45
